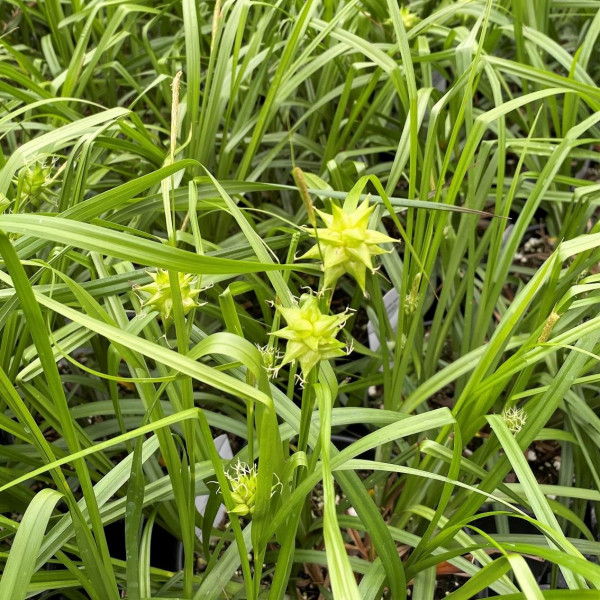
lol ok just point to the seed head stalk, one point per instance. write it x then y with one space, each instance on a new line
188 510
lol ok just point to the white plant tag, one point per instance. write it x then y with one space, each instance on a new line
225 451
391 302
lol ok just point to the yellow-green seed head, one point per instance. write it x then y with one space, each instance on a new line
411 300
242 484
409 19
270 357
160 297
311 335
346 244
34 181
514 418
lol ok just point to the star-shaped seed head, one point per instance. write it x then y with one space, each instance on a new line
311 335
409 18
346 245
160 297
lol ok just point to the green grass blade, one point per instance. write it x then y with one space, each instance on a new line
20 565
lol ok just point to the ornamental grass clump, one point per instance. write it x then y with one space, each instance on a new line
347 475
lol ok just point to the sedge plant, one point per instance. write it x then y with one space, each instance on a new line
358 239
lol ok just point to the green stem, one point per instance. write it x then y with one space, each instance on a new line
308 403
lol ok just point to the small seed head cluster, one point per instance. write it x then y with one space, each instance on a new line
409 19
270 357
159 293
243 483
410 302
548 327
514 418
34 181
344 246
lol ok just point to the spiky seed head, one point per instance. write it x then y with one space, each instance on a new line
310 334
160 297
346 244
